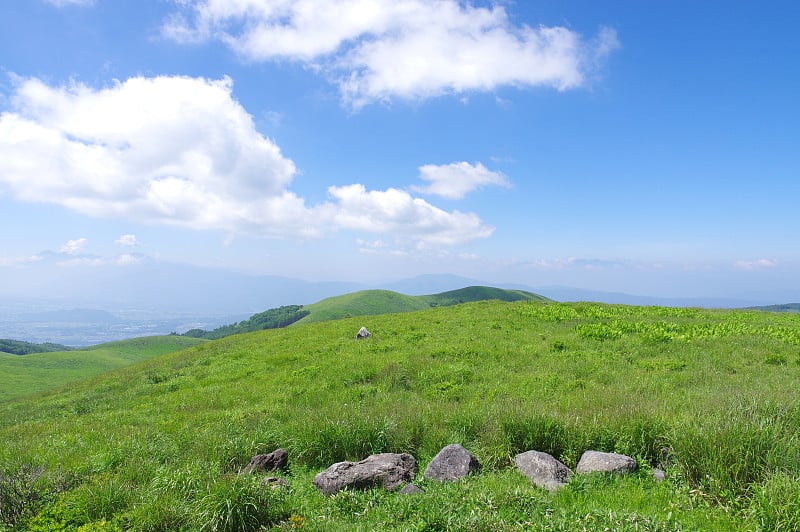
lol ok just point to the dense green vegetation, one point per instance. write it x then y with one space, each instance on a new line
375 302
787 307
18 347
269 319
157 446
38 372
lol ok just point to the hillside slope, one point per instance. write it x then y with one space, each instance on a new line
376 302
38 372
157 446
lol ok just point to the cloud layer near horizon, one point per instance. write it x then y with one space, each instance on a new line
182 151
378 50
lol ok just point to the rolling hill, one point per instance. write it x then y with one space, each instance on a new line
376 302
38 372
708 395
44 371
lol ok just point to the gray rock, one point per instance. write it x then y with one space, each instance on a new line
452 463
659 474
273 461
363 333
542 469
410 489
596 461
389 470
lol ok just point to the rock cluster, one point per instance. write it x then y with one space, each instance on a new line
396 471
547 472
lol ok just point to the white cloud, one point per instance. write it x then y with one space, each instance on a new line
455 180
171 150
182 151
397 212
376 50
758 264
128 241
127 259
73 247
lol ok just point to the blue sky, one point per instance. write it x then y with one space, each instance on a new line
642 147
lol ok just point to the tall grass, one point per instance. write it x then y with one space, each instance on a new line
708 395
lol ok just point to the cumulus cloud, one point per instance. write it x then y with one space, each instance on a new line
395 211
171 150
127 241
376 50
455 180
182 151
73 247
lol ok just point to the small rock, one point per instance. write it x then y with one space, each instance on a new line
452 463
273 461
389 470
410 489
596 461
363 333
659 474
542 469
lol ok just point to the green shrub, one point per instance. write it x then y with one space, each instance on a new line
26 488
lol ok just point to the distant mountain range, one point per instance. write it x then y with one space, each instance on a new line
158 289
789 307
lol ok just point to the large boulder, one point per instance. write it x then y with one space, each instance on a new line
596 461
452 463
543 469
363 333
389 470
273 461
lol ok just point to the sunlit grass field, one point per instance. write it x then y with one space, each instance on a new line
709 395
22 375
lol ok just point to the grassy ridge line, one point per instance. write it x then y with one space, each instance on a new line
38 372
157 446
376 302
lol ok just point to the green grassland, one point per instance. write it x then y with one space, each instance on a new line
158 445
375 302
22 375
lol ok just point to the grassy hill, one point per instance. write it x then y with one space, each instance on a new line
40 373
712 395
37 372
376 302
788 307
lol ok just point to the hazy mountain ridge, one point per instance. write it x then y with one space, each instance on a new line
155 297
